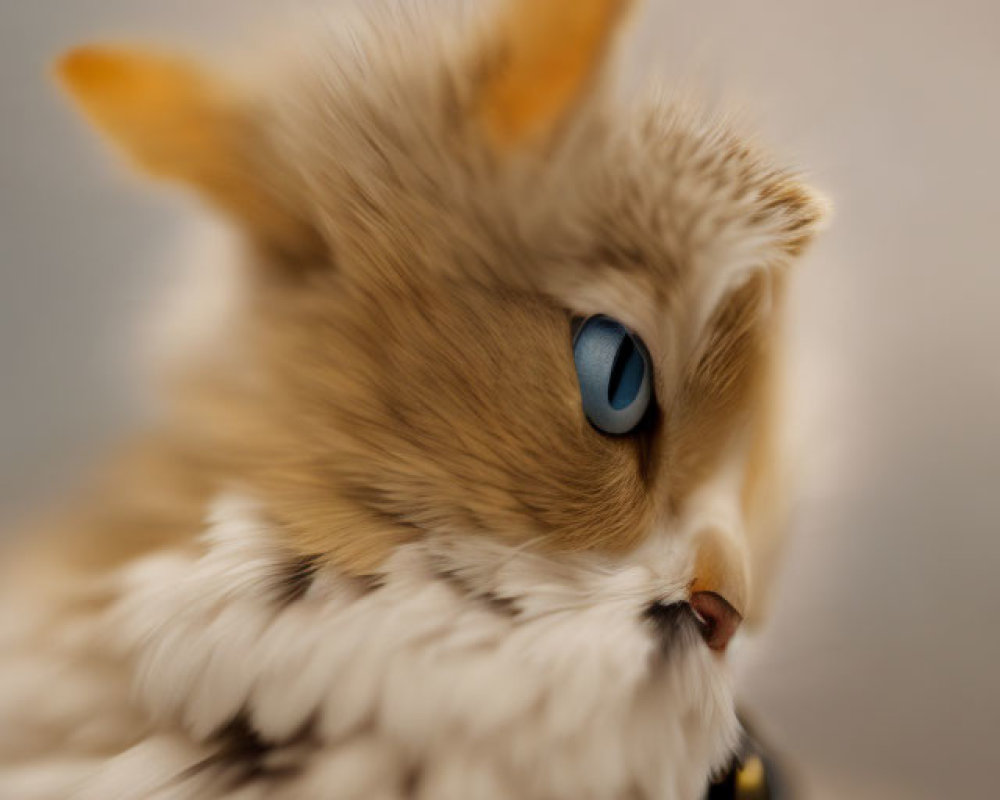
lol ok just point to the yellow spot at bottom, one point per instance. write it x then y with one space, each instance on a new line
750 780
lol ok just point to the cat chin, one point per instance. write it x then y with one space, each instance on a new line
464 669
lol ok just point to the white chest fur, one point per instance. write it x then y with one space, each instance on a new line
468 670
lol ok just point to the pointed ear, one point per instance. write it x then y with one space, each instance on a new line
175 121
548 54
805 212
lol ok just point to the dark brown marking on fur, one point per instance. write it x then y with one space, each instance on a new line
379 505
506 606
242 748
303 570
242 755
674 624
297 580
370 583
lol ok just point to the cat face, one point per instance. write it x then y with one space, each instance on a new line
434 213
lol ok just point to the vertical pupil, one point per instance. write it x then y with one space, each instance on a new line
626 375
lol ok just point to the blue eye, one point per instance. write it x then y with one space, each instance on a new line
614 373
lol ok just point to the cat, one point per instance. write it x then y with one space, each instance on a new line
465 494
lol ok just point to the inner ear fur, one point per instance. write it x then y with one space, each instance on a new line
177 121
544 59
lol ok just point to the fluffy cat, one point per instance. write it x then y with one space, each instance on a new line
407 530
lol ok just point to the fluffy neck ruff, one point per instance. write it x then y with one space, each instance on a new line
465 670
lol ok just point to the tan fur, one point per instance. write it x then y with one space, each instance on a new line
429 206
765 490
488 434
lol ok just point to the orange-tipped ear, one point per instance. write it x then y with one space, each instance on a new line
170 118
176 121
549 54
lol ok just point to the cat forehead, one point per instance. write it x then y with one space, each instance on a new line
645 207
667 201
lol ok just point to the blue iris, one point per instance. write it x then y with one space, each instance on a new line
614 373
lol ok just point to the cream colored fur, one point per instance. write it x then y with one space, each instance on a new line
482 671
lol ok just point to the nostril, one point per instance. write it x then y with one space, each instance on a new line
718 619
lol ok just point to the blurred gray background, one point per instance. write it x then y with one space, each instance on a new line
876 673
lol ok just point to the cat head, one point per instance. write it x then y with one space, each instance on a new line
488 300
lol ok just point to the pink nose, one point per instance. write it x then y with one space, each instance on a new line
719 620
